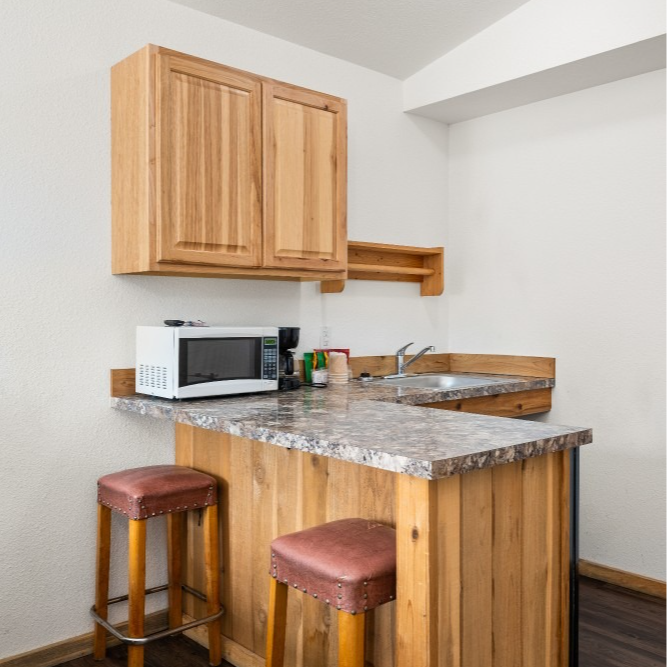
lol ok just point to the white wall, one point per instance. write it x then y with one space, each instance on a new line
540 35
66 320
556 248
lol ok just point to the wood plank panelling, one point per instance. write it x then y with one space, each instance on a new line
564 486
417 596
258 505
488 570
449 567
510 526
476 566
507 564
533 549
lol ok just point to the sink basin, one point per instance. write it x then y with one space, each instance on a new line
439 381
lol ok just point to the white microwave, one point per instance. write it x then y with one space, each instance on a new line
191 362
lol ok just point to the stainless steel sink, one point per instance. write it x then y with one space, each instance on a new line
438 381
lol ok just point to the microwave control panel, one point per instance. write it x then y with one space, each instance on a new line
270 365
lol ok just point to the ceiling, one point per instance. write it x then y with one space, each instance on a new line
396 37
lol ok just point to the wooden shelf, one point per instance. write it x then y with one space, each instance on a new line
397 263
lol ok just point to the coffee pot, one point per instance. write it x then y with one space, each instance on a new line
288 340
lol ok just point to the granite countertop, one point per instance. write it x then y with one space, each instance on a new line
376 425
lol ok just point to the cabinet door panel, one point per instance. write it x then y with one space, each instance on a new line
305 179
209 164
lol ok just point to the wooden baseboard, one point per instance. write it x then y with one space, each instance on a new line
69 649
610 575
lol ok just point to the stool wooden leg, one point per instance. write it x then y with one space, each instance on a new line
212 562
351 639
137 589
175 566
102 578
275 624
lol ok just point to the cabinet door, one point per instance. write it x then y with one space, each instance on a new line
305 165
208 125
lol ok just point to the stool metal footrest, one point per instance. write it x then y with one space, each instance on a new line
142 641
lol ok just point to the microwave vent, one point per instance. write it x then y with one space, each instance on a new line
154 377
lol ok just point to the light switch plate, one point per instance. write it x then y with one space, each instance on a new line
325 337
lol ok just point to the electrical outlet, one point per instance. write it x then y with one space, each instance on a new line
325 337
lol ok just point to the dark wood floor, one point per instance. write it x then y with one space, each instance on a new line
618 628
170 652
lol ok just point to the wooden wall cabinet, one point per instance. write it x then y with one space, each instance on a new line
219 172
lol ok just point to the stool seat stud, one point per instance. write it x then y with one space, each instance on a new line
141 494
348 564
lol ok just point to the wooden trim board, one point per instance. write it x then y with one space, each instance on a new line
494 364
122 379
503 364
122 382
75 647
386 364
529 402
610 575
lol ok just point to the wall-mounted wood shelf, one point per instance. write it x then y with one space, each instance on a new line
398 263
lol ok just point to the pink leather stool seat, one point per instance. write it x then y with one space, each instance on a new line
142 493
349 564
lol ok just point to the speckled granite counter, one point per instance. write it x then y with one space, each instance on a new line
374 425
502 531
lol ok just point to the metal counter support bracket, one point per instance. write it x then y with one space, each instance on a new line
141 641
574 558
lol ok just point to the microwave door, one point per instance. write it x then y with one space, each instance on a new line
208 360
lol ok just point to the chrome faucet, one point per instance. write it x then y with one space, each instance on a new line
401 364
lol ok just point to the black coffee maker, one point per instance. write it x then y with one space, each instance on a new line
288 339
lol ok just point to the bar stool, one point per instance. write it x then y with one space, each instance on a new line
348 564
141 494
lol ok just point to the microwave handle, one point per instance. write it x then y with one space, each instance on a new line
289 364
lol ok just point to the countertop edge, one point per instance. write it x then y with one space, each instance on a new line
373 457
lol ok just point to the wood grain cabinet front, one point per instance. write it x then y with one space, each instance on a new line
305 186
219 172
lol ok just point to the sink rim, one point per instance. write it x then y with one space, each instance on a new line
413 380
